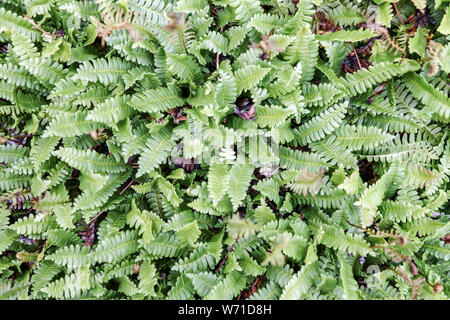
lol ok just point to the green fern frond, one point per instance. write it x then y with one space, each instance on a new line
73 256
116 247
155 100
321 125
156 151
434 100
248 77
12 21
334 237
362 80
105 71
228 288
88 160
240 176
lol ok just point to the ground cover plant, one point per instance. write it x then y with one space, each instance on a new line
224 149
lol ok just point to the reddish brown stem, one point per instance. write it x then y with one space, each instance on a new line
398 13
128 185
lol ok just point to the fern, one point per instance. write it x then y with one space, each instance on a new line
111 111
156 151
299 283
360 137
305 51
70 125
225 93
226 149
102 70
228 288
249 76
438 250
184 67
271 116
335 238
73 257
434 100
240 176
362 80
13 153
321 125
198 260
154 100
116 247
88 160
218 181
348 282
12 21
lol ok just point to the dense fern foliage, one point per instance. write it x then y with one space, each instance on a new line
224 149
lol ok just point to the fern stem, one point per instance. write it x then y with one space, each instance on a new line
183 41
127 186
398 13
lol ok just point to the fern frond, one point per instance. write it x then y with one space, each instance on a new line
334 237
228 288
271 116
12 21
116 247
248 77
359 137
88 160
73 256
226 91
155 100
92 199
111 111
240 176
305 50
434 100
71 125
156 151
362 80
299 283
184 67
105 71
321 125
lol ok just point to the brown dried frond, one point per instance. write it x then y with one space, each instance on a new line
175 21
245 109
213 12
87 234
434 56
267 46
391 44
180 32
176 114
353 63
188 165
255 287
322 24
99 134
366 49
438 287
446 239
16 199
115 21
419 19
415 284
401 239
